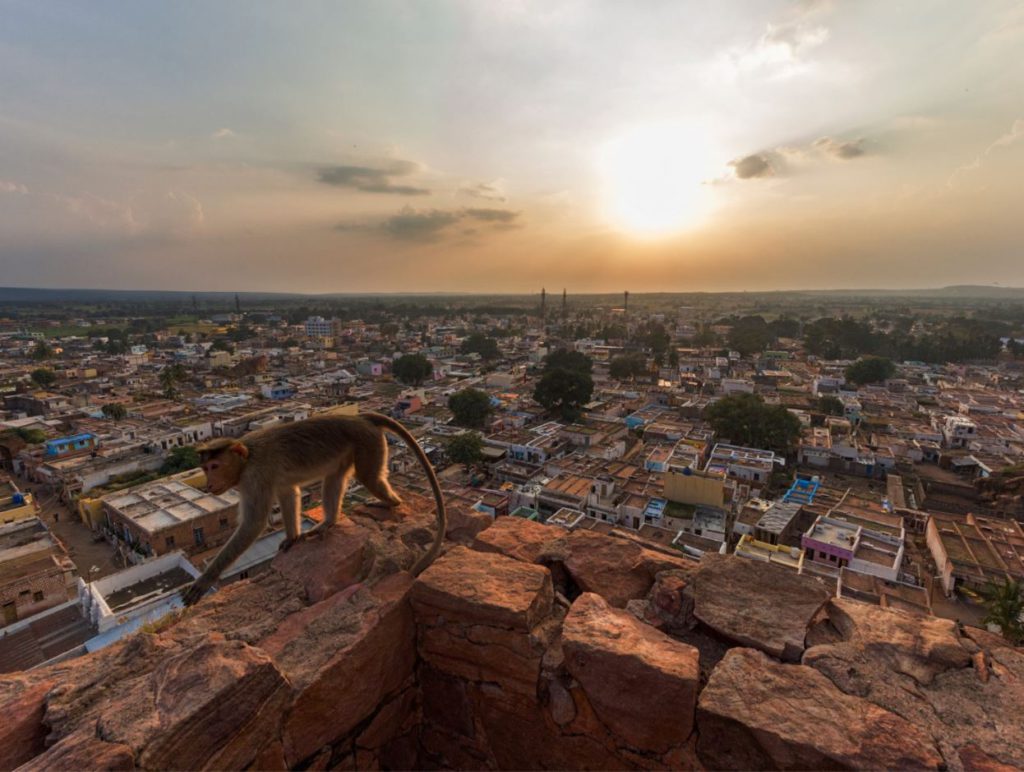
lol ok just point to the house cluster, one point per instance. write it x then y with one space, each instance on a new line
893 493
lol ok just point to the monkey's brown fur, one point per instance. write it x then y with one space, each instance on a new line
273 463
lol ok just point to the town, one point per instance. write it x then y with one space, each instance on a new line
875 444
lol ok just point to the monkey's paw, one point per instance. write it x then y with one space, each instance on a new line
193 593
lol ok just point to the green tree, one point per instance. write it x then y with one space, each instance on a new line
466 449
750 335
673 358
628 366
829 405
564 359
180 460
412 369
471 407
41 351
115 411
565 391
170 377
481 344
870 370
1004 604
31 436
43 377
745 419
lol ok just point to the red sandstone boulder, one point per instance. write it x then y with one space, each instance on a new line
466 523
343 657
484 588
615 569
641 683
22 705
919 668
208 705
82 750
758 714
323 566
756 604
518 538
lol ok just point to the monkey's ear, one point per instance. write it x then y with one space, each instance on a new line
240 449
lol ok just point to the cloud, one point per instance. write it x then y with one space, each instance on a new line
6 186
752 166
844 150
1015 134
372 180
224 133
488 191
782 49
428 225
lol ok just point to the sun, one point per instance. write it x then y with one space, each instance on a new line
657 178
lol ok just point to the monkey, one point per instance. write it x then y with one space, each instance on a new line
273 463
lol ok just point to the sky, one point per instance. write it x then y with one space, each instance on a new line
399 146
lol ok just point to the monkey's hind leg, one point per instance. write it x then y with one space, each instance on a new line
290 501
372 472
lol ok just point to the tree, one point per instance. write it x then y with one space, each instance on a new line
41 351
471 407
628 366
478 343
170 377
466 449
115 411
31 436
412 369
750 335
565 391
1004 604
563 359
180 460
43 377
870 370
830 405
745 419
673 359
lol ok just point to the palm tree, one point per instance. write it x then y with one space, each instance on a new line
1004 604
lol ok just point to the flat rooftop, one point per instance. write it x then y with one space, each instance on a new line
167 503
161 584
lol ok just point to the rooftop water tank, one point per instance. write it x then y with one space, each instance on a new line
18 499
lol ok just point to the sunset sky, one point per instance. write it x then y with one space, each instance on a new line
503 146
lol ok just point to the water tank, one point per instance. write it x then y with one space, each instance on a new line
18 499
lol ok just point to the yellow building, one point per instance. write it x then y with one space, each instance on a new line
15 505
694 487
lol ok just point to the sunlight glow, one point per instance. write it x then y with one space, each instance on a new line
659 179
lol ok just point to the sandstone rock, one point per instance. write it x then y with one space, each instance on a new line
517 538
627 669
975 760
756 604
343 657
919 646
22 705
910 665
323 566
199 707
484 589
615 569
82 750
466 523
758 714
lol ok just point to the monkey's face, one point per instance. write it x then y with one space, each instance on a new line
223 470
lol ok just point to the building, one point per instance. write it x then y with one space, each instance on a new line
15 505
974 551
318 327
168 515
35 572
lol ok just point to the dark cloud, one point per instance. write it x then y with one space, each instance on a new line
372 180
427 225
485 190
752 166
492 215
840 149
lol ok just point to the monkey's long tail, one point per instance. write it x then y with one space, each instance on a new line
391 425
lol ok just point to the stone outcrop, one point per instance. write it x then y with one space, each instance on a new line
522 647
756 713
756 604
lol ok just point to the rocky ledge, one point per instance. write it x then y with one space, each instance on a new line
522 647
